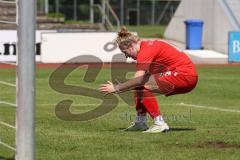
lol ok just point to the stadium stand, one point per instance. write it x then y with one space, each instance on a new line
8 13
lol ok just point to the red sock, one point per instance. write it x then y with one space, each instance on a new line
146 102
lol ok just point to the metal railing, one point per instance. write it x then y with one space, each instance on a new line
161 16
113 14
105 16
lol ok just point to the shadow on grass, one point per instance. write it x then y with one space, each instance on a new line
181 129
171 129
3 158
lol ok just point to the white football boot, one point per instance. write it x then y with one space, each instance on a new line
137 126
157 128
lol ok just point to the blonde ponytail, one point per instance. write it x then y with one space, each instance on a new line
125 38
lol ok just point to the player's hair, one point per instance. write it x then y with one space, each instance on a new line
125 38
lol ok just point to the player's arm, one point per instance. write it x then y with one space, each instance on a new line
140 78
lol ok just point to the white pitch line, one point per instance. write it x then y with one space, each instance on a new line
7 103
166 104
209 107
7 125
219 78
8 84
14 64
8 146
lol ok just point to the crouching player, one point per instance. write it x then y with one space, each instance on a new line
161 68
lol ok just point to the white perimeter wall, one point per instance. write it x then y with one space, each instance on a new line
9 37
216 23
60 47
57 47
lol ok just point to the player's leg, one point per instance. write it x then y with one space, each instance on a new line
146 102
159 84
149 101
141 114
181 83
170 84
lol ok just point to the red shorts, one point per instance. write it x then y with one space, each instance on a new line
171 83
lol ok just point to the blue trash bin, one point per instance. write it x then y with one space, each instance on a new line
194 28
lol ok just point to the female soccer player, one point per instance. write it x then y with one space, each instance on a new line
162 68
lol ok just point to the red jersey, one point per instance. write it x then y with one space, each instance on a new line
160 56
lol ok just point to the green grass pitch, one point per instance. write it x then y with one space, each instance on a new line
205 123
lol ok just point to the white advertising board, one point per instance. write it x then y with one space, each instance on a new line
8 40
61 47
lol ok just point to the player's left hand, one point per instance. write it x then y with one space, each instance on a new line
109 87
